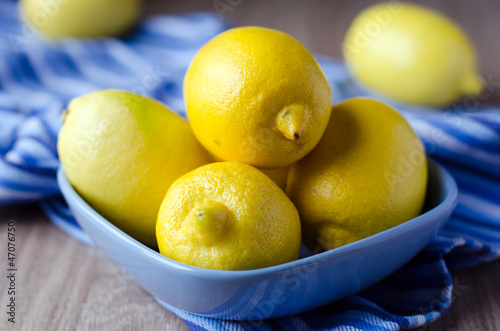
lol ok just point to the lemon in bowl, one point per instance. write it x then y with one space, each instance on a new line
228 216
121 151
257 96
367 174
281 290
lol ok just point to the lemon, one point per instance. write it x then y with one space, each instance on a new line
121 152
228 216
411 54
257 96
278 175
81 18
367 174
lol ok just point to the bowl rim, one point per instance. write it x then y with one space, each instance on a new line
447 203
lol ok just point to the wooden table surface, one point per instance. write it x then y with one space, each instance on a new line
64 285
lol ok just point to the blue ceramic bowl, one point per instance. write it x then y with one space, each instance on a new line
281 290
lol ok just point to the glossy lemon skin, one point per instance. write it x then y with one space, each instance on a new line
367 174
121 152
257 96
411 54
252 222
81 18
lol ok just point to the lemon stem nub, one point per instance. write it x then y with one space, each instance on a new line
290 121
211 220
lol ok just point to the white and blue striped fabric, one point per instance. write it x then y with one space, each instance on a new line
37 79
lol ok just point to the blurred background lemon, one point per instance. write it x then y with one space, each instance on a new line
81 18
412 54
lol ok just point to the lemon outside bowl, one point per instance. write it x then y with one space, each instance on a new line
282 290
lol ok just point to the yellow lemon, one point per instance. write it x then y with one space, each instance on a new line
81 18
121 152
278 175
257 96
367 174
228 216
412 54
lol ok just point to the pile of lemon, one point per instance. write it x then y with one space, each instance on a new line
265 163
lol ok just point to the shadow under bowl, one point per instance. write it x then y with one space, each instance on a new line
276 291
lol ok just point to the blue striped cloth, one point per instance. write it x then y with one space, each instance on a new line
38 79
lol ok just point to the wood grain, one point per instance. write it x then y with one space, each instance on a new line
64 285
